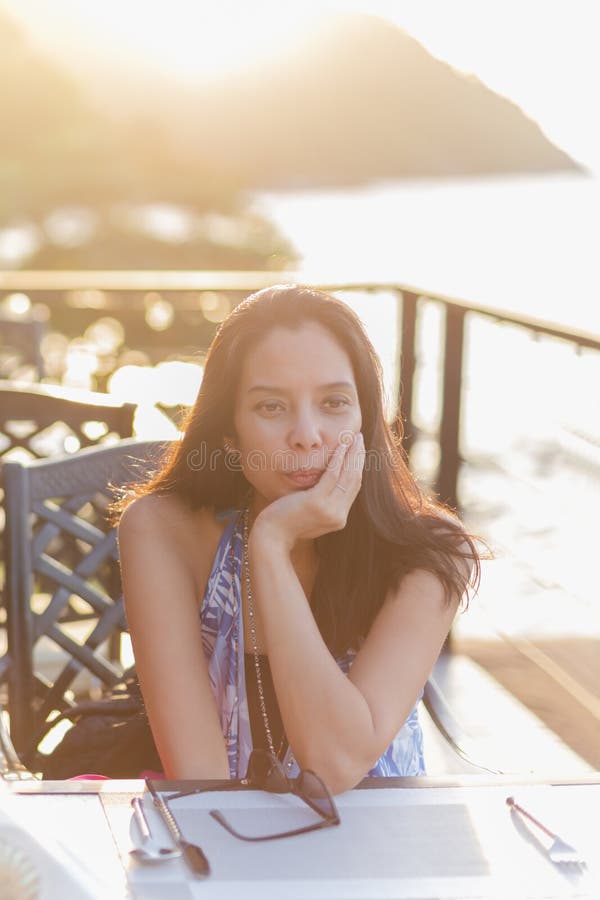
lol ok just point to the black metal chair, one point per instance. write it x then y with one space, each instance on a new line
56 510
40 420
87 418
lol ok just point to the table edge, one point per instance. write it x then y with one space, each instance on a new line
137 786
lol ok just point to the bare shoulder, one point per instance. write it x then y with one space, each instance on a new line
154 512
167 514
167 523
143 513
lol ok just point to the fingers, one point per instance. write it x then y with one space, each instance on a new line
344 470
324 508
350 476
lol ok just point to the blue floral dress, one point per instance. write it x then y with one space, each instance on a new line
223 642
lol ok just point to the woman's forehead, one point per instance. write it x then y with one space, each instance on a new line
306 353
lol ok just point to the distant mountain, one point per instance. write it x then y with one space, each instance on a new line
59 150
359 100
363 100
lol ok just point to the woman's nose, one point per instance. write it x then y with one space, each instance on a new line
305 433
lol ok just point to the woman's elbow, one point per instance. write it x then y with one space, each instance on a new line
344 780
340 774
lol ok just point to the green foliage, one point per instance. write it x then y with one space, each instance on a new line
58 149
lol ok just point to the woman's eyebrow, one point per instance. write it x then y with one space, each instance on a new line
274 389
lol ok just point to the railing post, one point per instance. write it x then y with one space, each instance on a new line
446 486
404 423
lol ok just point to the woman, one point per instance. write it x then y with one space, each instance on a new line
287 585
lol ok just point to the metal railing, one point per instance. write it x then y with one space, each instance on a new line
119 292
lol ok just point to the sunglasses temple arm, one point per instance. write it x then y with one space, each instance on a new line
220 818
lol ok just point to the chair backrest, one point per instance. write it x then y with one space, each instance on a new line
27 411
41 420
55 510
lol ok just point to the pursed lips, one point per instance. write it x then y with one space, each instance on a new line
304 476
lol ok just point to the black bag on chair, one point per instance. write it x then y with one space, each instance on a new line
109 737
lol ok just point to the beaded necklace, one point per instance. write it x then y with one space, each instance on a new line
252 624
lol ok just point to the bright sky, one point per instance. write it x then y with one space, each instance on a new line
541 53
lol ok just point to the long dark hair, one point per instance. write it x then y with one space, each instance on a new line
393 527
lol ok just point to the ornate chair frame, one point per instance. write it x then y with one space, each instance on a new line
62 499
45 404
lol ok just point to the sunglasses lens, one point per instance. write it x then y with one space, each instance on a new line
265 771
316 794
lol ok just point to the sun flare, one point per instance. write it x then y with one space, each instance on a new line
203 39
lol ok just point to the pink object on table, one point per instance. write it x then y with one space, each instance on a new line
147 773
89 778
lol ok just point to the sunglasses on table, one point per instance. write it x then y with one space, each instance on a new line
265 773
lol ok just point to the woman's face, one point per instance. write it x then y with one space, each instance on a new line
297 398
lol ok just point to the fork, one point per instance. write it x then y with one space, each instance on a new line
559 851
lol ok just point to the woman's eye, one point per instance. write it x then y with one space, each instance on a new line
336 402
270 406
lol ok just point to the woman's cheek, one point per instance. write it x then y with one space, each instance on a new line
348 428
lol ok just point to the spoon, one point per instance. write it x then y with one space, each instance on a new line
150 851
192 853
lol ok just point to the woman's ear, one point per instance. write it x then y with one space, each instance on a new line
230 444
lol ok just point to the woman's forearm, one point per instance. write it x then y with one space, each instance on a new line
326 718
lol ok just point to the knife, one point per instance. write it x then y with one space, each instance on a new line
192 853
